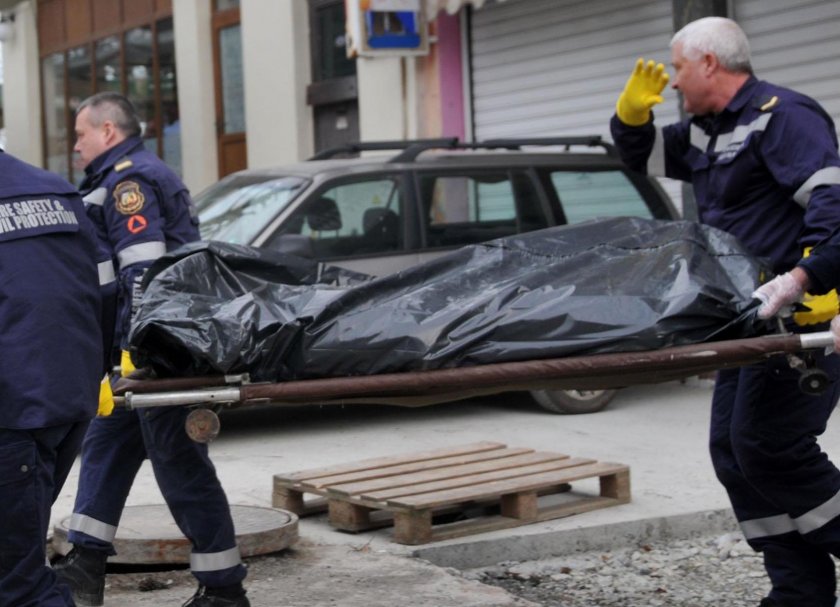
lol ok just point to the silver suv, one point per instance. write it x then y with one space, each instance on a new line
396 204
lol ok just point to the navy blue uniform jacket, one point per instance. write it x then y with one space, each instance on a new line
51 357
141 210
766 169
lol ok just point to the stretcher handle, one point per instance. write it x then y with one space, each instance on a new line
815 341
184 397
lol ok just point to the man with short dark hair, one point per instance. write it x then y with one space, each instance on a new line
764 165
51 362
142 210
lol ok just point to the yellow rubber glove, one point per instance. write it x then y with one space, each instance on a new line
126 366
106 398
642 91
822 308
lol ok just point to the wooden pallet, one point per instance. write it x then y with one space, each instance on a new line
415 492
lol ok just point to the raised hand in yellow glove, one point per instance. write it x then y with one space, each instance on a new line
642 91
106 398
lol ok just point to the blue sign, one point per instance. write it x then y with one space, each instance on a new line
392 29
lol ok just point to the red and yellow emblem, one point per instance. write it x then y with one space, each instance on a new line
128 198
136 224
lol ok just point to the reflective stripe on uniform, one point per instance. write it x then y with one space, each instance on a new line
826 176
215 561
819 516
96 197
741 132
699 138
772 525
106 273
656 162
782 523
138 253
90 526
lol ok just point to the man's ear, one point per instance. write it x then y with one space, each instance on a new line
711 64
110 131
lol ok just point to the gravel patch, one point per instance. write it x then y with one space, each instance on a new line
722 571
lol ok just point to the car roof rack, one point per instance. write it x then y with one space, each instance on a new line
371 146
415 149
567 142
412 148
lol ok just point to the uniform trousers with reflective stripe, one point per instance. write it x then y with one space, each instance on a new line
784 490
112 452
33 467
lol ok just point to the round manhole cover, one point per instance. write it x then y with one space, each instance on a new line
148 535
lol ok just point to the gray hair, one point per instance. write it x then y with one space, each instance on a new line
114 107
717 35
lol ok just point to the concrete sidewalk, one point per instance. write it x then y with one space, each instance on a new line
659 431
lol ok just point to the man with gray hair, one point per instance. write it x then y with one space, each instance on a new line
141 210
764 166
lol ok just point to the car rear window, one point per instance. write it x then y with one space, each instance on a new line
589 194
471 208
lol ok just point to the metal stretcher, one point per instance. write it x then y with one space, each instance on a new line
418 388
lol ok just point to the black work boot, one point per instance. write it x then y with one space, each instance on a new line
83 571
224 596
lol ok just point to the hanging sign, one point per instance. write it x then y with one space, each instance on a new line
386 27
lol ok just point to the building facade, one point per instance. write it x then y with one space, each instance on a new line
229 84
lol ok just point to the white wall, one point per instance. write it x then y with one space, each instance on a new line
21 88
196 92
276 60
386 110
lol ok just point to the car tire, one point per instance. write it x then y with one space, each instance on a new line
572 402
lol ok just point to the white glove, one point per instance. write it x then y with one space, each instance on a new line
777 294
835 332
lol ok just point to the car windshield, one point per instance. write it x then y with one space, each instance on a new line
236 209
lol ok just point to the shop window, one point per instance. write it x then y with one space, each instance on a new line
55 115
139 55
230 42
226 5
79 86
331 41
168 86
108 62
139 63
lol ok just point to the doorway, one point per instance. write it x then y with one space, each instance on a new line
230 95
333 93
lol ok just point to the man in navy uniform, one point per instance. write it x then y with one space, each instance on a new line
51 362
764 166
142 210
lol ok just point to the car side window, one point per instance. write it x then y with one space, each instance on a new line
355 218
589 194
472 208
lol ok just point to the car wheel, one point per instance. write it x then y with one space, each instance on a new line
573 401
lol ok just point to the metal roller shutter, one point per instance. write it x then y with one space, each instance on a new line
796 43
556 67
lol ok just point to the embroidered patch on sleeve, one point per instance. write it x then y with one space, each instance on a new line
128 198
136 223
